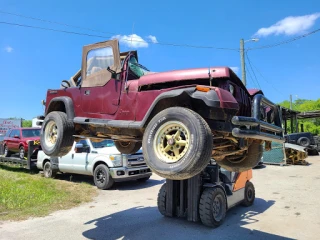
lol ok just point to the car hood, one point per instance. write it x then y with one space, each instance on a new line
188 74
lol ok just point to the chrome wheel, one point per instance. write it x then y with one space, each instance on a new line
47 170
51 134
217 208
6 151
21 153
171 141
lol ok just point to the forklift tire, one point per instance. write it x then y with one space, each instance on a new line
252 159
249 195
213 207
161 201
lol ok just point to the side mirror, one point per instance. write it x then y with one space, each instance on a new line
16 136
79 148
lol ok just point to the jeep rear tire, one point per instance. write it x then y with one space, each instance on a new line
252 159
57 134
127 147
177 143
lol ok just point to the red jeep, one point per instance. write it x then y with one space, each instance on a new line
181 118
16 140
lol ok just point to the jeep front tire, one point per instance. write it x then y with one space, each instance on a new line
57 134
177 143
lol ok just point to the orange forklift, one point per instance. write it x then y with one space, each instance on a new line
206 196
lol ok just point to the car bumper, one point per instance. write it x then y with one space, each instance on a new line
123 173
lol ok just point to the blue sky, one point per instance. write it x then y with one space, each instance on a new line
33 60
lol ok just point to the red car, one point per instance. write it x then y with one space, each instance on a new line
16 140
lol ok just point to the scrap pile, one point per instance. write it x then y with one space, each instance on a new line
295 155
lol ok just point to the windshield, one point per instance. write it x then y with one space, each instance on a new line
104 143
137 68
28 133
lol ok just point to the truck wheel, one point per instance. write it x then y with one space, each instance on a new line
6 151
213 207
47 170
161 201
249 195
304 142
127 147
21 152
252 159
177 143
102 178
57 134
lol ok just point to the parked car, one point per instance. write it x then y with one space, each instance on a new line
100 159
304 139
16 140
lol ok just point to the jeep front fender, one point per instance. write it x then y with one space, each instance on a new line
63 104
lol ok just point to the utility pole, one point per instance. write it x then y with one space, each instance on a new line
243 68
291 102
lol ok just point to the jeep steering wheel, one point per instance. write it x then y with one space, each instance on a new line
65 81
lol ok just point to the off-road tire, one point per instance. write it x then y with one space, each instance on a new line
127 147
249 195
22 152
196 156
208 207
252 159
102 171
304 142
6 153
65 139
143 179
47 170
161 200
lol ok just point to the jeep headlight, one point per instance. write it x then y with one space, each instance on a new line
116 160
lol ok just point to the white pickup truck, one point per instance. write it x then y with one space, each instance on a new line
101 160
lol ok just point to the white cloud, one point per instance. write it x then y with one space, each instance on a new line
132 40
8 49
153 39
289 26
235 69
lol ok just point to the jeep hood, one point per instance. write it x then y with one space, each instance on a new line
188 74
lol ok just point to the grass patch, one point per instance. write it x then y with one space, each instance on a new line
24 195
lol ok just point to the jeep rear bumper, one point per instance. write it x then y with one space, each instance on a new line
257 128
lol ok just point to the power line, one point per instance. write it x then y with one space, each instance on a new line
251 78
285 41
253 70
127 40
54 22
272 85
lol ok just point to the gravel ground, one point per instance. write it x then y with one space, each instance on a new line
286 207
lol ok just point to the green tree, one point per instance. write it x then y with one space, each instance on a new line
26 123
303 105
